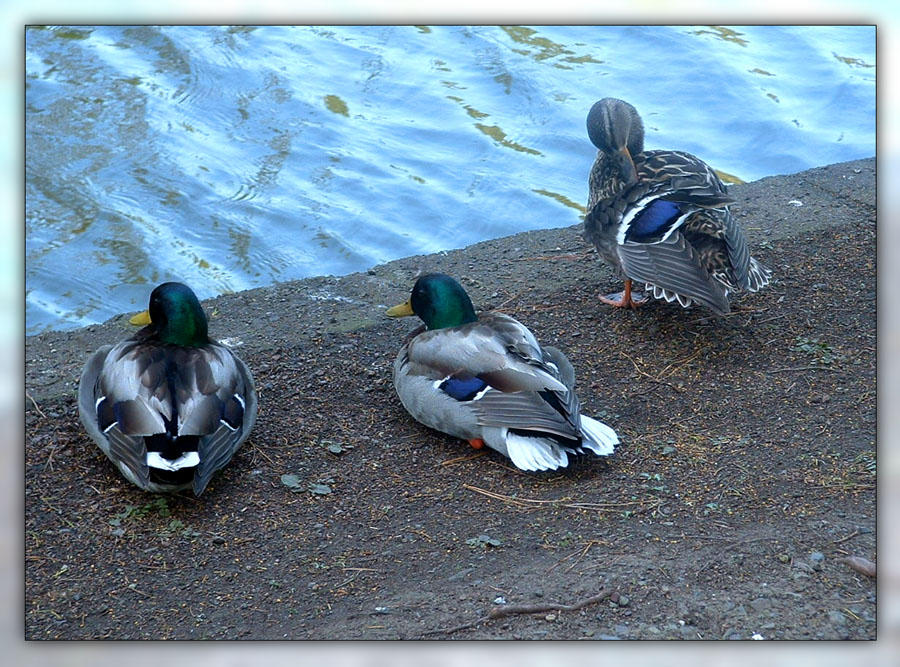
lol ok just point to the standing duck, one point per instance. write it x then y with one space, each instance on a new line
661 218
168 406
486 379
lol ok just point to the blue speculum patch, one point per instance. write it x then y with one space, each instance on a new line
463 389
653 221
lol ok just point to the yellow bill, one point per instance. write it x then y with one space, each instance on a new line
400 310
141 319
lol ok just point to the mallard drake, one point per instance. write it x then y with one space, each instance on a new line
661 218
168 406
486 379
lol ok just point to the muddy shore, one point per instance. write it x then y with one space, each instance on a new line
745 477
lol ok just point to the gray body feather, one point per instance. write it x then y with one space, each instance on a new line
528 411
140 395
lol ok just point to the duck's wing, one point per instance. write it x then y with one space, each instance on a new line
497 348
236 407
495 370
547 411
711 227
673 265
113 415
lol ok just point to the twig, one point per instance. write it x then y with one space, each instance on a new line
514 609
257 450
460 459
681 364
769 319
844 539
359 569
583 553
36 406
567 256
646 374
800 368
514 296
534 503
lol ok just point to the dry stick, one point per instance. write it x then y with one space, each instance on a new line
844 539
681 363
769 319
513 297
582 554
800 368
514 609
534 502
658 380
34 403
459 459
257 450
568 256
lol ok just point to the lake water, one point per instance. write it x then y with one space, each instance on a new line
235 157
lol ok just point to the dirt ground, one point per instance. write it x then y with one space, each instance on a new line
745 475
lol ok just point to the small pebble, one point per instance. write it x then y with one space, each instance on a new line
218 539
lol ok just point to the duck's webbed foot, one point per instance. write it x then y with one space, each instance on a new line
625 298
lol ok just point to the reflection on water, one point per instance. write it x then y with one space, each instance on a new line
233 157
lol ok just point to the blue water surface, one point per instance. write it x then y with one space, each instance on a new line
235 157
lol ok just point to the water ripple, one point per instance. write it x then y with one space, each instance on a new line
232 157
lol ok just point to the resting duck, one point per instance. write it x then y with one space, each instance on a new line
486 379
661 218
168 406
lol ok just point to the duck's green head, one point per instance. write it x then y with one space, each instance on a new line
439 301
615 128
175 316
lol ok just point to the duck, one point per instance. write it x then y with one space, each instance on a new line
168 406
485 379
662 218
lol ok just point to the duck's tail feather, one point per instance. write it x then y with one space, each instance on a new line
598 437
535 453
758 276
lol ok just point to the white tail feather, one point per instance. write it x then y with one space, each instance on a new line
186 460
759 275
670 296
598 437
535 453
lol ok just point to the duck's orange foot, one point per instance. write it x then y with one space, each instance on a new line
477 443
625 299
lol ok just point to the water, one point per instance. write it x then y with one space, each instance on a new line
235 157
